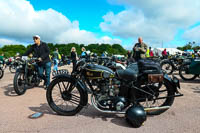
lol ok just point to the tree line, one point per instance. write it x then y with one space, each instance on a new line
11 50
189 45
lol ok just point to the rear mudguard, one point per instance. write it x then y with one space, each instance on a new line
78 83
174 82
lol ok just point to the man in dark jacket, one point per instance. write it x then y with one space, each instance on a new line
41 51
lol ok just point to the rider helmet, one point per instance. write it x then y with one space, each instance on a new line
135 115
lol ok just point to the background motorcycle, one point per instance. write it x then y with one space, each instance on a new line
112 92
1 70
190 69
172 64
26 76
15 64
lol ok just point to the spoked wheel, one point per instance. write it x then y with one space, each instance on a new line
167 67
1 73
184 74
151 102
12 69
64 98
19 83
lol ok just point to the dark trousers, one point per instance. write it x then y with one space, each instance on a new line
47 68
74 64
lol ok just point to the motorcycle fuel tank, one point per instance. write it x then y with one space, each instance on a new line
97 72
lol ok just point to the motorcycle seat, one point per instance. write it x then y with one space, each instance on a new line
127 74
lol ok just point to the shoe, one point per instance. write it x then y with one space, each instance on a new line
45 87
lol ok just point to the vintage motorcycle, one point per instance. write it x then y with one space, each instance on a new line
190 69
172 64
1 70
15 64
26 76
113 92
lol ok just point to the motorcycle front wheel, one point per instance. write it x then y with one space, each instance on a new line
165 91
1 73
183 72
64 98
19 83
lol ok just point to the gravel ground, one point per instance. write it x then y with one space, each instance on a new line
182 117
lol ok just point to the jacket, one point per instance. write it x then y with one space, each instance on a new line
41 51
142 52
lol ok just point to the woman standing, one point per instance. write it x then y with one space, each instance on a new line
83 54
73 57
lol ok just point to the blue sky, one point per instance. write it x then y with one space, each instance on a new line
88 12
171 23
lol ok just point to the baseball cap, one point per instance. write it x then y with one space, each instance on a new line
36 36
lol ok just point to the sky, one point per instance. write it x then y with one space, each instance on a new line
163 23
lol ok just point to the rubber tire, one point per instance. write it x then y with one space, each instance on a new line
180 73
1 73
169 101
16 84
167 62
53 105
11 70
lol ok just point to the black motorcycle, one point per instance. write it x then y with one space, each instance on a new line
26 76
113 92
1 69
14 65
171 65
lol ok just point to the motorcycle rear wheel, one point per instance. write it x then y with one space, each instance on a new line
75 97
19 83
184 75
167 67
12 69
166 87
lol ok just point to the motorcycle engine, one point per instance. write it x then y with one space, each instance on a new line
107 97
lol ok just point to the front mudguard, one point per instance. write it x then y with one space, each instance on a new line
174 82
78 83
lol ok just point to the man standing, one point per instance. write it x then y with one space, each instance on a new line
139 50
41 51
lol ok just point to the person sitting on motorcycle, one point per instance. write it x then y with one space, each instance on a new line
164 53
139 50
41 51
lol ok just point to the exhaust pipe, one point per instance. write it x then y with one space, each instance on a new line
123 112
156 108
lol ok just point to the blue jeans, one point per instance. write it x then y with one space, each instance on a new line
55 68
47 68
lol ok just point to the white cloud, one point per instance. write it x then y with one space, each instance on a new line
192 34
155 20
4 41
19 21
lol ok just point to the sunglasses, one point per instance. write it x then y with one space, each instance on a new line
35 38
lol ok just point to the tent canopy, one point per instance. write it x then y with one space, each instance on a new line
172 51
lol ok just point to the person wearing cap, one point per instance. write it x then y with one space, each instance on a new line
41 51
